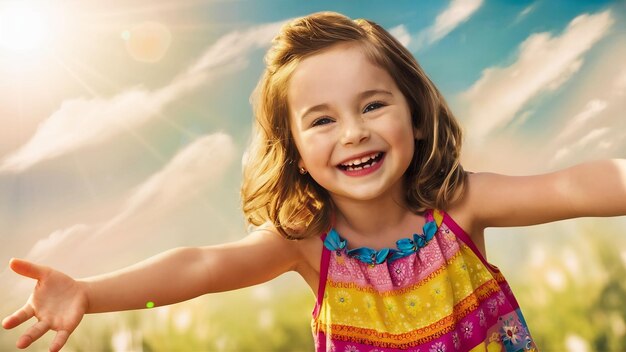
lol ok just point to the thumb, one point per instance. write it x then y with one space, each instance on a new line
28 269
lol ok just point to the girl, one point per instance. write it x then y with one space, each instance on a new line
353 180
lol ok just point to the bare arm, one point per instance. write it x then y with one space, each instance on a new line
596 188
59 302
184 273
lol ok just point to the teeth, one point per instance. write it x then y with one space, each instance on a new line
360 161
351 168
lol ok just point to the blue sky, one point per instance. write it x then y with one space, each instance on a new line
113 150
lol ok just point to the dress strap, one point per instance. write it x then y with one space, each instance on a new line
438 215
324 263
465 238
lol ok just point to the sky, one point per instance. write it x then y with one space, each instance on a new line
124 123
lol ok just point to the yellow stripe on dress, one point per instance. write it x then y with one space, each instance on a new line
387 331
438 216
464 282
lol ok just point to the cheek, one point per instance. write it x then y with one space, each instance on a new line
403 140
320 150
400 134
299 144
311 149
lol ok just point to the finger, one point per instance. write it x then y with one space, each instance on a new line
59 340
32 334
27 268
20 316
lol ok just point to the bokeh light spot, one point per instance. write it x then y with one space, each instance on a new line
147 42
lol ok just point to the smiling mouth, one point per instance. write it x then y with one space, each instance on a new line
363 163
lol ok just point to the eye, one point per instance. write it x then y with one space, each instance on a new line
373 106
321 121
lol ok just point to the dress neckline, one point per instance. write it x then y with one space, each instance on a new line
404 247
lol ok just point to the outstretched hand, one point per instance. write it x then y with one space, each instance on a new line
58 302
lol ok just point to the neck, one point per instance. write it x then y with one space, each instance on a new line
370 218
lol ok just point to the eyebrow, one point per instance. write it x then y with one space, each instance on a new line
361 96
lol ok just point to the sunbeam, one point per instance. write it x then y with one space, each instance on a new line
153 151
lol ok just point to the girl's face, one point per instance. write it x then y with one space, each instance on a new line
351 124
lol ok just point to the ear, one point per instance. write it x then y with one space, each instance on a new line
301 164
418 134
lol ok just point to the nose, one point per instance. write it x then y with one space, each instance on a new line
354 131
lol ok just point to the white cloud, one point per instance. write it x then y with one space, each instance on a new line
458 12
455 14
544 63
83 122
598 128
199 163
583 143
596 132
591 110
61 241
401 34
525 12
586 123
234 45
193 170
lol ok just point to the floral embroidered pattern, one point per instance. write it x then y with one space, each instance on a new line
401 272
500 298
467 328
481 318
343 299
456 341
391 308
439 297
492 305
438 347
438 293
515 335
413 305
510 333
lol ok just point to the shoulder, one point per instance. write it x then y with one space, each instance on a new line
482 192
300 252
462 209
303 254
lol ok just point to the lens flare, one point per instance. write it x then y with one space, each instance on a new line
147 42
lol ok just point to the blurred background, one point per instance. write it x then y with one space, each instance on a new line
123 125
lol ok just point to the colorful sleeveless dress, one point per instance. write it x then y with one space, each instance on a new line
434 293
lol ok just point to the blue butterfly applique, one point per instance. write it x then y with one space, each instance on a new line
408 246
370 256
333 242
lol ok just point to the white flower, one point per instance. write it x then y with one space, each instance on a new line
438 347
467 328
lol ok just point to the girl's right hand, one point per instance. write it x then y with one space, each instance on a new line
58 302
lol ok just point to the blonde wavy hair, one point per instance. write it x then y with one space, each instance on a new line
274 191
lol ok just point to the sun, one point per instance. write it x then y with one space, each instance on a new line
28 27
